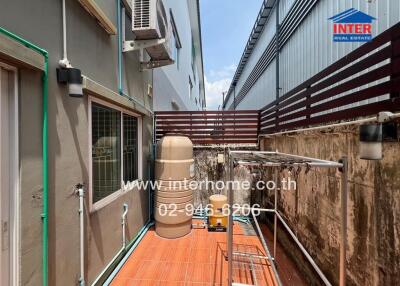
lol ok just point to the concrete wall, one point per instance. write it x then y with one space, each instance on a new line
208 168
312 211
92 50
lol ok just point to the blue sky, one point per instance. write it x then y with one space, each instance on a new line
226 26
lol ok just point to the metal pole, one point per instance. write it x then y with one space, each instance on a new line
304 251
343 226
264 244
230 224
276 209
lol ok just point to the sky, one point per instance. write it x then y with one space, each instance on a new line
226 27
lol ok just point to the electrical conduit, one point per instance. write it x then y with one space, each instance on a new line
45 82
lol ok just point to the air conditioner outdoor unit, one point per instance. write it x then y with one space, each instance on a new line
149 20
152 31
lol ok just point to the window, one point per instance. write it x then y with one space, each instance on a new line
190 88
193 60
115 154
178 44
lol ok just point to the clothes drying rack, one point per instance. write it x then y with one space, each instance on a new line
277 160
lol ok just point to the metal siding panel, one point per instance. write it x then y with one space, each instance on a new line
262 43
262 92
311 49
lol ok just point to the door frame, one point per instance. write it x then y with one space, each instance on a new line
14 195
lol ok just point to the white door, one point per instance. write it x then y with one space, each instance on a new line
8 170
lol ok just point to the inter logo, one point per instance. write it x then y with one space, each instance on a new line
352 26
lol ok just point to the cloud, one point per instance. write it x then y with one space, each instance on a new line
219 82
225 72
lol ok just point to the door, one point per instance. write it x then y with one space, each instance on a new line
8 171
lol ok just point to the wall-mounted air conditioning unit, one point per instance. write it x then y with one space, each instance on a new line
149 20
152 31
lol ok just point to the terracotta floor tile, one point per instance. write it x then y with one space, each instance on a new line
133 282
130 268
172 283
175 271
200 255
196 259
201 242
199 272
151 270
179 255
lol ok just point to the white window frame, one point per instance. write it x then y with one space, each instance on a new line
15 194
118 193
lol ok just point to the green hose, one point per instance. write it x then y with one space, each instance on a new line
45 80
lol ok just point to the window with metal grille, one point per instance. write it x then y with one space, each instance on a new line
115 150
130 148
106 150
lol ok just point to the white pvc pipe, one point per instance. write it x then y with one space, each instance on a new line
123 222
64 62
81 194
360 121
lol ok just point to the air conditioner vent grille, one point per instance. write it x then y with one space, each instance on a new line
141 10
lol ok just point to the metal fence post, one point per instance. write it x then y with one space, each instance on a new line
343 226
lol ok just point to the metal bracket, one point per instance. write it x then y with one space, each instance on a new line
155 64
128 46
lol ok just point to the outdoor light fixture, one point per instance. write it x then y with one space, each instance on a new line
372 136
73 78
371 141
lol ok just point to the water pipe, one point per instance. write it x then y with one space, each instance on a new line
45 82
132 246
64 62
123 223
81 194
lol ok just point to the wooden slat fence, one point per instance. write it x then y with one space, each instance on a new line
339 91
210 127
363 83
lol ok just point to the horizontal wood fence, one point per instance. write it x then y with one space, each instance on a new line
210 127
363 83
345 90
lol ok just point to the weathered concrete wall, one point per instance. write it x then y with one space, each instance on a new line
313 210
207 168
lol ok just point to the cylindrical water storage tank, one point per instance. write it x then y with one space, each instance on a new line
218 218
174 169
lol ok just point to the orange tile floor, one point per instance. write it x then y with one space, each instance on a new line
196 259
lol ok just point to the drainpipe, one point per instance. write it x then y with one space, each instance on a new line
81 194
45 82
119 39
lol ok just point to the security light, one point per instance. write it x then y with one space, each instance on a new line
371 141
73 78
373 135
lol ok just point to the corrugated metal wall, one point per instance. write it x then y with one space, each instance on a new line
310 48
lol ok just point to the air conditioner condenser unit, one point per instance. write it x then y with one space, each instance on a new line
152 31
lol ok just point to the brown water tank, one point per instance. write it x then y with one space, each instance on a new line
174 169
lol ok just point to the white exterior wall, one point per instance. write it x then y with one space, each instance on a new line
171 83
310 48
